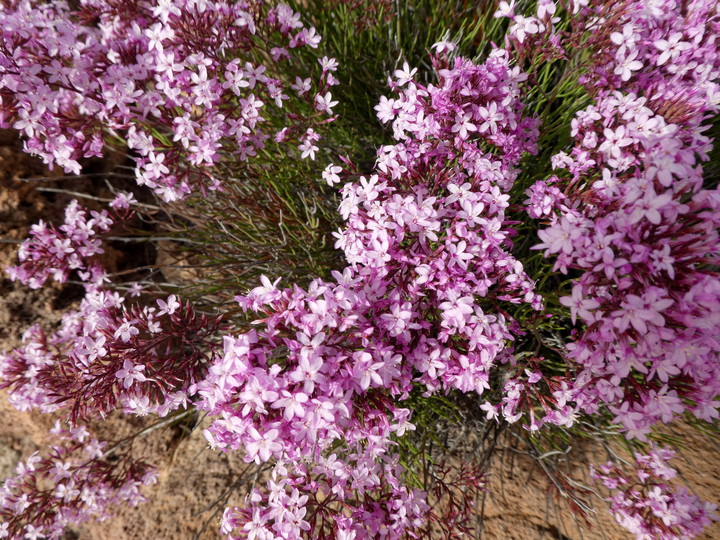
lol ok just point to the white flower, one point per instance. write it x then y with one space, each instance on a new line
405 74
331 174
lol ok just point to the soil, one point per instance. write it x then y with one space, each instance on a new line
195 482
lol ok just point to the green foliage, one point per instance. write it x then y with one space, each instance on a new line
272 220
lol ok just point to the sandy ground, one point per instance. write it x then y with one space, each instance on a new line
195 481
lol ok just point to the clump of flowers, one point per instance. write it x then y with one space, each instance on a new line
543 199
55 253
646 505
427 248
106 356
639 225
183 84
72 484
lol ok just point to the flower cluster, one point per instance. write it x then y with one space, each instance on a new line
419 304
70 485
51 252
105 356
536 35
544 198
647 506
638 224
183 83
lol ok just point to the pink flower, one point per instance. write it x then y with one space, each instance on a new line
523 26
328 64
169 307
560 237
308 373
671 48
325 103
292 404
579 305
404 75
638 311
130 373
627 64
261 447
505 9
615 140
126 331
